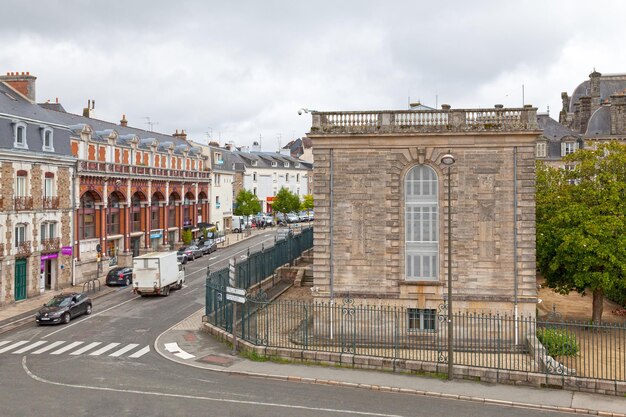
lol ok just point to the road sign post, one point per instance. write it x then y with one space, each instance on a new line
231 281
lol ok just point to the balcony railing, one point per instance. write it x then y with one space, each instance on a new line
1 249
50 245
23 248
50 203
23 203
135 170
445 120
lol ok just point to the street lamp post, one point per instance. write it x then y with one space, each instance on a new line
448 160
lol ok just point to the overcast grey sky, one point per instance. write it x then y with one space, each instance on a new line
240 69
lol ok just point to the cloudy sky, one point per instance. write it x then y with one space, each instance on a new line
240 70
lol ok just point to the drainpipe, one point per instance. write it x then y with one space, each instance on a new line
73 220
515 269
332 291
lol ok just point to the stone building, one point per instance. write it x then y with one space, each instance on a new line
37 173
381 193
556 141
597 107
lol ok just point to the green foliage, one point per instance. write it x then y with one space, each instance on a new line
187 236
307 203
581 222
246 203
285 201
558 342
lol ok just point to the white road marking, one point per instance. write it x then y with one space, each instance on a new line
123 350
29 347
49 347
104 349
4 342
66 348
184 355
86 348
219 399
213 257
13 346
172 347
140 353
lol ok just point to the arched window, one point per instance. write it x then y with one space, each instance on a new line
19 135
113 215
87 217
421 224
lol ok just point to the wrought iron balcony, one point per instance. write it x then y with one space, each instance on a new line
23 203
50 245
51 203
140 170
23 248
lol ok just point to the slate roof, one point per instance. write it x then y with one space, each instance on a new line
600 122
609 84
265 159
555 133
13 104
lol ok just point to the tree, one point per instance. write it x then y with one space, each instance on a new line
307 203
285 201
581 223
246 204
187 236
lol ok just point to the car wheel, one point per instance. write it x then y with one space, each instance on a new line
66 318
88 310
127 282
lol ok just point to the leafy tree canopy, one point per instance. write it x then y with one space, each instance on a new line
307 202
581 222
285 201
246 203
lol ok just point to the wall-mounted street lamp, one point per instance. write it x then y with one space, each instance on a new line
448 160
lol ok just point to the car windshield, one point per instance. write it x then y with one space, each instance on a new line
59 302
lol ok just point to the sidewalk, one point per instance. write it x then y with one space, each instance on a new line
200 350
17 314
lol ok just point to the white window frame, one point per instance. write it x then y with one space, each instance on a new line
50 146
421 214
254 176
286 164
48 230
254 163
48 187
17 126
20 233
21 186
274 164
421 319
568 148
286 177
542 149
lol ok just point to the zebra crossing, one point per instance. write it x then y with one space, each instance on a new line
76 348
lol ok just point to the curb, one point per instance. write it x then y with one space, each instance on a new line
371 387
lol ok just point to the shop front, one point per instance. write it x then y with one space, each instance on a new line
156 236
47 280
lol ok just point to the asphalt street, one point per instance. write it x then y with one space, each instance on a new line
105 365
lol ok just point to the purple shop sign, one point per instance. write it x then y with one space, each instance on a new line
66 250
49 256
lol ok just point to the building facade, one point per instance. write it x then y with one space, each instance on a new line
381 208
37 172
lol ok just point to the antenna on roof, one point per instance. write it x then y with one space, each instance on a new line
150 123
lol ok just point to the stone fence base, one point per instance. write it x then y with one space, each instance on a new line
489 375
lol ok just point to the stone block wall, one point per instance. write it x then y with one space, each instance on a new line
368 229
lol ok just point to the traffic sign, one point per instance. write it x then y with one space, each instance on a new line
236 291
235 298
231 272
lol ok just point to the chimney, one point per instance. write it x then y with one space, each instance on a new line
618 113
594 82
182 135
124 122
89 110
24 83
585 112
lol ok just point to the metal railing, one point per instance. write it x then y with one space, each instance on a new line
51 244
140 170
23 203
50 202
23 248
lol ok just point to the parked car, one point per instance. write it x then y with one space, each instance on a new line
182 257
303 216
120 275
208 246
292 218
64 307
311 216
281 218
192 252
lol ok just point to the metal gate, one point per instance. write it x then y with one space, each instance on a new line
20 279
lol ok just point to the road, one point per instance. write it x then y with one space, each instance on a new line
105 365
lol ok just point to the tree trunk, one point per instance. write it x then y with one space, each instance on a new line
598 303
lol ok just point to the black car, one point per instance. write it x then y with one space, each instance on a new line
64 307
121 275
208 246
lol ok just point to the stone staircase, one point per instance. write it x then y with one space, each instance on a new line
307 278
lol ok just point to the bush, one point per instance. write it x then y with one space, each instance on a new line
558 342
617 295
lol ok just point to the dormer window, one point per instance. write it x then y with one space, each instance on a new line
286 164
274 164
541 149
47 139
19 135
255 163
297 165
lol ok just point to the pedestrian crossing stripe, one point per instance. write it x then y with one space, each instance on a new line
76 348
